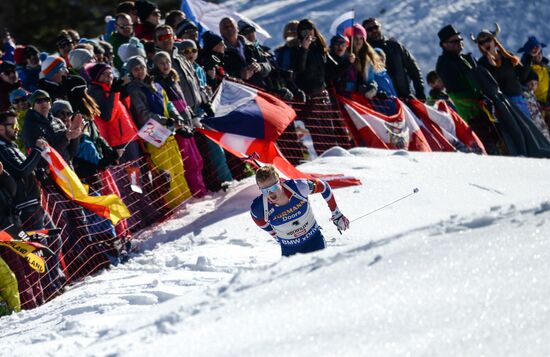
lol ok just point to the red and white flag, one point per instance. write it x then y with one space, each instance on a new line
399 131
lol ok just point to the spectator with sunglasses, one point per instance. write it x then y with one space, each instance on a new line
29 69
124 30
64 44
456 70
187 30
283 210
400 63
19 103
149 16
9 81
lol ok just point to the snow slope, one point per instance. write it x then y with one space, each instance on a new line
460 268
414 23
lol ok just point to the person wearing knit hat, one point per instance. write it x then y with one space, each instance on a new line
37 95
211 40
133 48
187 30
62 109
134 62
19 98
96 71
79 57
149 15
52 67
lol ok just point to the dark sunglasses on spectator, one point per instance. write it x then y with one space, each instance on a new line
305 32
65 44
458 40
125 27
9 124
19 100
372 28
156 13
191 30
9 71
188 51
248 31
486 41
42 100
64 113
166 37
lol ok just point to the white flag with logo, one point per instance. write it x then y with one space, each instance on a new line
154 133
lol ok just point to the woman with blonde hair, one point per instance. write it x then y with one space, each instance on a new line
505 67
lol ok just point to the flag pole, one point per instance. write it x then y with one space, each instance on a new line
352 24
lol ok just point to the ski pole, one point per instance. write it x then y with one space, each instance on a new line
386 205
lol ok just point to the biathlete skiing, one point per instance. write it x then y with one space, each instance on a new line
283 210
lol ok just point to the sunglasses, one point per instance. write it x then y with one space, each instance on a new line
372 28
65 44
156 13
19 100
13 125
458 40
188 51
486 41
273 188
42 100
166 37
125 27
64 113
191 30
9 72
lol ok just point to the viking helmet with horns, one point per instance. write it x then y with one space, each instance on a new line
484 33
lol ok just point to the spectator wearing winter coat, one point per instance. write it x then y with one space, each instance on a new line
167 77
530 87
9 80
243 60
40 123
149 101
27 198
371 75
19 102
124 30
29 70
54 70
94 153
504 66
189 50
534 58
345 80
286 53
313 62
400 63
149 16
456 70
18 285
211 59
114 122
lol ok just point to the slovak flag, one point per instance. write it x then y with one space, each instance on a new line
397 132
343 25
207 16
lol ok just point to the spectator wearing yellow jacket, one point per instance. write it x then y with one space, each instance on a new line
149 101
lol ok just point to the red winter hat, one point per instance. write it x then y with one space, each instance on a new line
359 30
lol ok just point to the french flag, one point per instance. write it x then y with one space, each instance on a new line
343 25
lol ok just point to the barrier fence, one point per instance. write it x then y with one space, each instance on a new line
88 243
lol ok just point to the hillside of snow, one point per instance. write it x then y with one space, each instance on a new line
415 23
459 268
